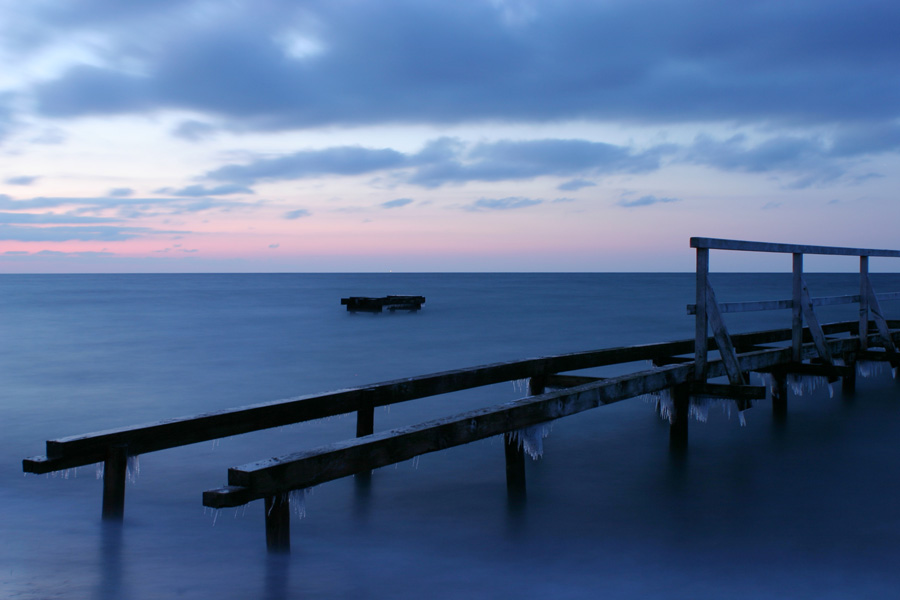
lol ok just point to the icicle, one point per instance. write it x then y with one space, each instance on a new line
415 462
100 467
666 405
868 368
520 385
132 468
531 439
700 405
297 501
802 384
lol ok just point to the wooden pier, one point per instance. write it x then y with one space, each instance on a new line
682 369
377 305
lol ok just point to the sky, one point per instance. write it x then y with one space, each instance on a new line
430 136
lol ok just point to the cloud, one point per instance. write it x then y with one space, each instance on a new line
451 161
510 203
21 180
7 217
199 190
348 63
274 246
297 214
120 192
83 233
575 184
345 160
399 202
645 201
195 131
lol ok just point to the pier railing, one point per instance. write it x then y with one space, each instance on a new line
683 368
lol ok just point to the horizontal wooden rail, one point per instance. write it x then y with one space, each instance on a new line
312 467
745 246
735 307
80 450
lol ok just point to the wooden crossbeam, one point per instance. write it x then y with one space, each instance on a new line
732 392
311 467
723 340
813 323
558 381
831 371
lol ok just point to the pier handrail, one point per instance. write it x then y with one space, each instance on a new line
708 311
113 446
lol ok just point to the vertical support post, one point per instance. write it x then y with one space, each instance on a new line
678 427
779 395
701 327
365 425
797 310
515 469
365 420
515 453
278 523
114 474
863 302
848 381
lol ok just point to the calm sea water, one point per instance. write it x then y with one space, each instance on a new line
806 510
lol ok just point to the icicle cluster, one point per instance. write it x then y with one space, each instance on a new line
531 439
870 368
698 408
806 384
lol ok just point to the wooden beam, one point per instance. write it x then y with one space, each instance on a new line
678 423
814 328
566 381
312 467
723 340
278 523
80 450
863 302
732 392
747 246
831 371
737 307
115 472
880 322
701 322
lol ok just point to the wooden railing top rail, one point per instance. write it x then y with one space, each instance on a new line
746 246
90 448
312 467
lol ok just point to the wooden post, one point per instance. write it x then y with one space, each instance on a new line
515 469
678 428
700 322
365 425
863 302
365 420
278 523
848 381
114 474
779 395
797 309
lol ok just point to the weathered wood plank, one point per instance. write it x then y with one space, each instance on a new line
815 369
311 467
748 246
814 328
701 322
723 340
115 471
755 306
566 381
733 392
878 316
75 451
